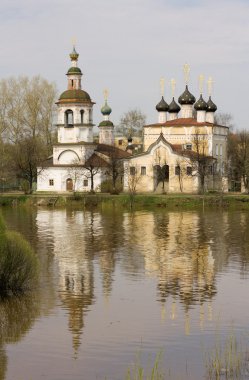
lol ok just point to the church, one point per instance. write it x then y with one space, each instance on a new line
78 162
185 151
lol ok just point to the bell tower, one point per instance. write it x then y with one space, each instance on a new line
75 107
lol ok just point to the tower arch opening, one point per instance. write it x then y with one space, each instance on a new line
69 118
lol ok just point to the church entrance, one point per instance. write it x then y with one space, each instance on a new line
161 178
69 184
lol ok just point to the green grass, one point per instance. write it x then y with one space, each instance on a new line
137 372
140 201
226 361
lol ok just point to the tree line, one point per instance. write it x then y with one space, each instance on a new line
27 133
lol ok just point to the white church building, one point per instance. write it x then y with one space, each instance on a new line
184 151
78 163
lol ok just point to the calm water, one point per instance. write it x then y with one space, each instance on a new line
115 284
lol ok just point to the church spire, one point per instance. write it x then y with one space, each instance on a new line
106 127
74 73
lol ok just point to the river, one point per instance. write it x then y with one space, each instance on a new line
118 287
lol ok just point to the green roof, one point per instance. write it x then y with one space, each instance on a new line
106 123
75 96
74 70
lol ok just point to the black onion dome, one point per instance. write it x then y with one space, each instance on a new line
211 107
174 107
186 97
162 106
201 105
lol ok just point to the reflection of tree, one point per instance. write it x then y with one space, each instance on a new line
17 314
3 363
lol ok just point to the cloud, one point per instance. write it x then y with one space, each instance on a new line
128 45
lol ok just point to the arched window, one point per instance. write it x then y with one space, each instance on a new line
69 118
81 116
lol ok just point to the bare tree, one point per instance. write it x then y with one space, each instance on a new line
94 166
26 124
239 157
180 171
27 109
24 158
225 119
201 162
131 123
133 178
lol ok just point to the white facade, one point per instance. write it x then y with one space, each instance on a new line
64 171
67 178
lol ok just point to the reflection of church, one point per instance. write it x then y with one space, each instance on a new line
75 244
182 263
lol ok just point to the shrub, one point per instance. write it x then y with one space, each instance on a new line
25 187
18 262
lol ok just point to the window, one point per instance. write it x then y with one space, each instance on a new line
132 170
120 142
177 170
85 182
51 182
143 170
217 149
189 170
189 146
220 150
210 169
69 118
82 116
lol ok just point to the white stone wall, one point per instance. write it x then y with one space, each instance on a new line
67 154
186 111
161 154
106 135
201 116
78 132
162 117
59 176
210 117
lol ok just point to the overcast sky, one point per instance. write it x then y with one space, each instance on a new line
128 45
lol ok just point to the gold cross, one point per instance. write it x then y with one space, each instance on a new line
210 83
201 81
74 41
173 86
106 93
186 70
162 82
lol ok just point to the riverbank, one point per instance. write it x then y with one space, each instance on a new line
139 201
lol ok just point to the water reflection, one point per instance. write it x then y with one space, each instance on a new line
17 316
85 254
183 250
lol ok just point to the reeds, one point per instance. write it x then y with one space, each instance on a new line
137 372
226 361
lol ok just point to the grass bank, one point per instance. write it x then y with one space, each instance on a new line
139 201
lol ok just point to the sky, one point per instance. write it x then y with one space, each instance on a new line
128 45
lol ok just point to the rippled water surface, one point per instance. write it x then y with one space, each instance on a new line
114 284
